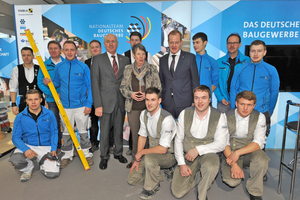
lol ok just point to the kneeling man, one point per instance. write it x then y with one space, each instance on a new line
158 126
35 135
247 128
201 134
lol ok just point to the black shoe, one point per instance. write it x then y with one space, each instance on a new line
94 148
103 164
148 194
265 177
255 197
129 165
121 159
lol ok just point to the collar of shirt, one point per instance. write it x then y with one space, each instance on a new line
240 118
111 59
241 126
152 123
56 62
155 114
176 59
200 126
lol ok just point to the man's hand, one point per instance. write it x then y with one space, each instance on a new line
192 154
15 110
53 153
46 81
87 110
237 172
185 170
138 156
30 153
99 111
232 158
224 102
135 165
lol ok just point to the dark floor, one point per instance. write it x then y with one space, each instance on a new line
110 184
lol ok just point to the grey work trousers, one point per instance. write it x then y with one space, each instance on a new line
149 172
208 165
258 162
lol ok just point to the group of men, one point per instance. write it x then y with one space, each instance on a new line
241 84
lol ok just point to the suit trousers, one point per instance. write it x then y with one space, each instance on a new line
257 162
208 165
149 172
94 130
115 119
173 109
76 116
134 123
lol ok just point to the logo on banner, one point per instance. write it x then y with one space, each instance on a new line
28 11
22 21
139 25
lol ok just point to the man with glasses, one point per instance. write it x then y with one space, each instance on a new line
227 66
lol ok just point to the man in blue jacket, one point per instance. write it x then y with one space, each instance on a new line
54 49
260 78
208 69
227 66
34 135
73 78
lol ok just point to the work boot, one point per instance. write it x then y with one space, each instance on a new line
64 163
25 177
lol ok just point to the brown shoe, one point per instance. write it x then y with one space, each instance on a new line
64 163
90 161
129 165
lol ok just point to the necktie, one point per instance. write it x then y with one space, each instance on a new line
172 65
115 66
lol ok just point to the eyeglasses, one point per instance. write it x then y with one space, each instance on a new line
233 43
176 43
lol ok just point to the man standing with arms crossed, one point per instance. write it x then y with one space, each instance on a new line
107 74
227 66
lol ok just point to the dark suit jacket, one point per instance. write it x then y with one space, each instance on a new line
105 86
88 62
183 82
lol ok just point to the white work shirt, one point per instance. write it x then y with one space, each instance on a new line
168 128
242 125
199 130
149 57
176 59
58 61
111 59
14 78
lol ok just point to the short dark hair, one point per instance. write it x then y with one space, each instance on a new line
54 42
152 90
70 42
234 34
33 91
95 41
203 88
140 47
258 42
27 49
136 34
201 35
249 95
175 32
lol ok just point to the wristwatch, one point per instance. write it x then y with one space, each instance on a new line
13 104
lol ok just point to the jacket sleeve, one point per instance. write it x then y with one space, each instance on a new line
194 72
160 73
45 89
125 88
53 132
87 81
274 90
17 135
56 78
95 82
234 88
215 73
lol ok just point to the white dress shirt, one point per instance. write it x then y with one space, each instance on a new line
14 78
168 128
56 62
111 58
242 129
199 130
176 59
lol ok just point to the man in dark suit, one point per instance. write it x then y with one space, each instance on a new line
106 74
178 75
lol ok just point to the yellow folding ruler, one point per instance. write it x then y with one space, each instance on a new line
57 100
